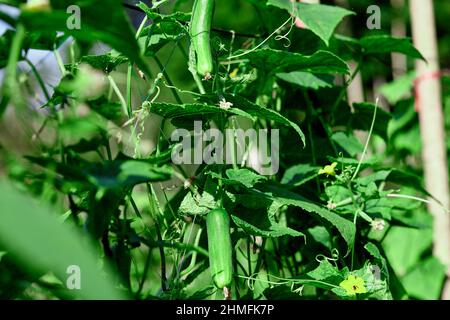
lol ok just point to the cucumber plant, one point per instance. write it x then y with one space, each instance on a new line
97 144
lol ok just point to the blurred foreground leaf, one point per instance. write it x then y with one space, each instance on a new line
36 239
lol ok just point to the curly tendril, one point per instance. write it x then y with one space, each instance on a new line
334 256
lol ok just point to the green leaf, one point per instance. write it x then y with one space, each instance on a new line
353 162
399 88
208 200
171 111
84 145
33 235
265 227
157 17
404 247
347 48
362 118
320 19
326 271
240 106
321 235
255 214
156 36
383 44
375 252
163 29
338 193
132 172
190 206
349 143
259 112
120 173
82 127
33 40
404 129
108 109
376 286
113 28
106 62
245 177
11 89
407 179
345 227
307 80
297 175
276 61
426 280
396 176
211 194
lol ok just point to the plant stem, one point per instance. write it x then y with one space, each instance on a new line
367 141
310 134
151 196
60 62
38 78
344 89
262 42
130 69
163 70
249 257
118 93
11 88
129 102
141 26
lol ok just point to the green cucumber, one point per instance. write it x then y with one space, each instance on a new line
219 247
200 30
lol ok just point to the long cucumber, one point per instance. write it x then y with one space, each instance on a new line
200 30
219 247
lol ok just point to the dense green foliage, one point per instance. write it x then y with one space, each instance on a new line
89 180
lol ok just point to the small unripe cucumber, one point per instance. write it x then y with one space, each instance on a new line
219 247
200 29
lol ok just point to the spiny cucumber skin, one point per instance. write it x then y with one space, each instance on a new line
219 247
200 29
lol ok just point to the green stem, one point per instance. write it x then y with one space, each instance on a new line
118 93
344 89
11 88
38 78
108 151
191 266
163 70
72 51
129 102
144 272
148 259
372 125
249 257
232 143
344 202
310 134
130 70
60 62
151 199
141 26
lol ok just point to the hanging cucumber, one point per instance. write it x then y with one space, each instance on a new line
200 30
219 247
